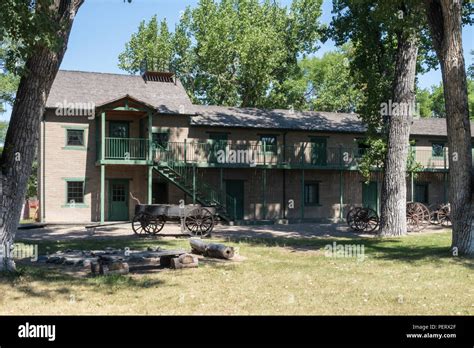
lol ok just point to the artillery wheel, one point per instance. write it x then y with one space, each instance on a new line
434 211
199 222
366 220
350 217
444 216
143 224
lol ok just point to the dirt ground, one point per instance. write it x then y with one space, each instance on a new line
173 230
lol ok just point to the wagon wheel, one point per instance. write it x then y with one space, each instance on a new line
199 222
159 222
414 224
425 218
434 212
444 217
415 216
350 218
141 224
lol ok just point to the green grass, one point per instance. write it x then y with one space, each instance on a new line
410 275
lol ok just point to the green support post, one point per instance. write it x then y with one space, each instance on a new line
185 151
444 158
150 136
150 184
302 194
412 182
341 185
264 153
378 196
102 167
102 193
264 198
341 194
102 136
221 186
445 193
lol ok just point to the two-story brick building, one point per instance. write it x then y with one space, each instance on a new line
104 136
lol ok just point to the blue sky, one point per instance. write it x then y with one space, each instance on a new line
102 27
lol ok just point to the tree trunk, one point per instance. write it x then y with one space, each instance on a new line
41 66
444 18
393 209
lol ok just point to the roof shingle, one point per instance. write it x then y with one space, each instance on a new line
99 88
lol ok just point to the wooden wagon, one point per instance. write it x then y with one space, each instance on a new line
150 219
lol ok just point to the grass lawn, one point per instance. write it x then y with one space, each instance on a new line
410 275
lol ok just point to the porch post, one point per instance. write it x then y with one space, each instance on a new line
150 136
102 193
341 194
412 182
445 188
445 193
221 186
102 136
341 184
264 193
150 184
302 194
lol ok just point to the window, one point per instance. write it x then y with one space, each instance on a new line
311 193
160 139
218 136
75 192
75 137
362 148
437 149
269 143
421 193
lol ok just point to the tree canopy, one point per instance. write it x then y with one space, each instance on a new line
231 52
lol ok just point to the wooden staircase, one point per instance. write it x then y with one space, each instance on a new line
184 177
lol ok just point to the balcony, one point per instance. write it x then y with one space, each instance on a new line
243 154
125 150
303 155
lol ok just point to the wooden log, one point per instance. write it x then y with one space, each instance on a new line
114 268
177 264
219 251
198 246
186 258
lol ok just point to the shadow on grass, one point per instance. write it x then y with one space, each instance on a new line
69 278
430 248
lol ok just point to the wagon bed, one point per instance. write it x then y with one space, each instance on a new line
150 219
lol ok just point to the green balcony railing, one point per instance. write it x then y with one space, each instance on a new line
242 154
301 155
126 149
245 154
